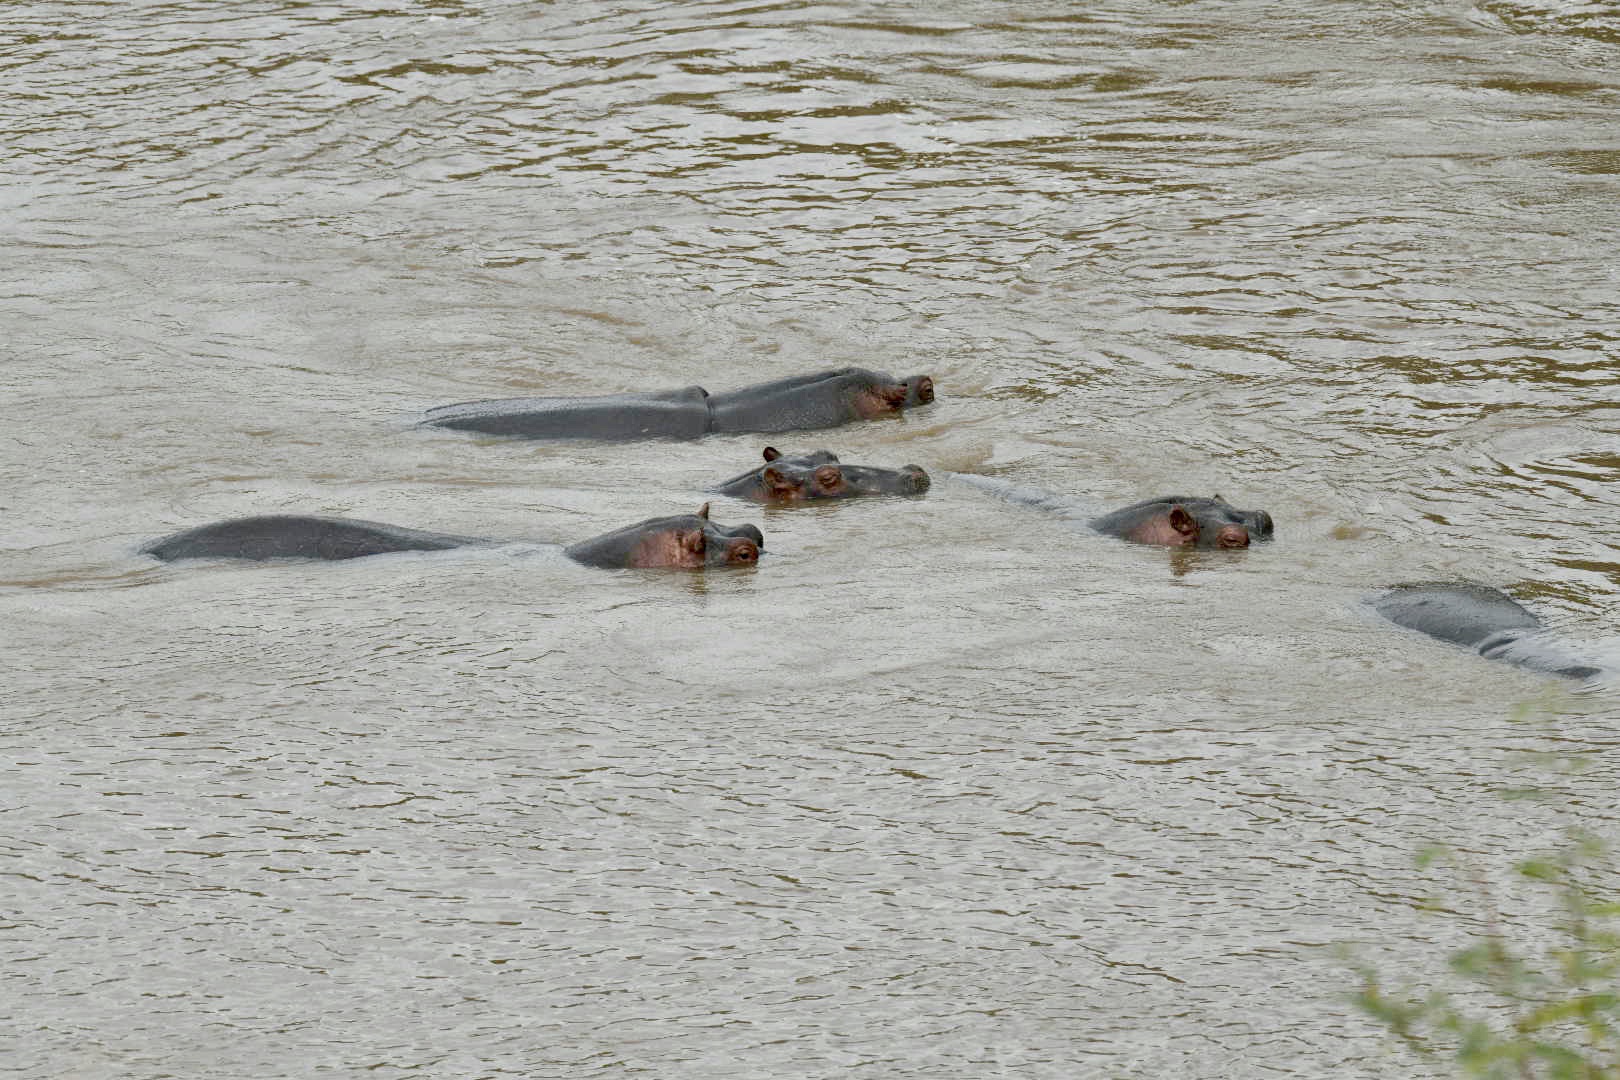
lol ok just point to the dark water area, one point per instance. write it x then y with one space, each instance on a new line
946 787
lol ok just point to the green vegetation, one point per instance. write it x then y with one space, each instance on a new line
1532 997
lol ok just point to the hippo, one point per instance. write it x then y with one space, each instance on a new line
820 475
1165 520
822 399
686 541
1186 521
1480 618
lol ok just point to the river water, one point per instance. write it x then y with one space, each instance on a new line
945 787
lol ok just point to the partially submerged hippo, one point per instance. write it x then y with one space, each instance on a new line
1167 520
822 399
1186 521
687 541
1481 618
820 475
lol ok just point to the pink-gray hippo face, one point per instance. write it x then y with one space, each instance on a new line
1187 521
683 542
820 475
880 395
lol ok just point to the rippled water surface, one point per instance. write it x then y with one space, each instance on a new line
945 787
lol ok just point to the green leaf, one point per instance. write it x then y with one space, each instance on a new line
1541 870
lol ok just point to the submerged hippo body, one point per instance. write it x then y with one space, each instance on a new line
1480 618
668 414
1186 521
1167 520
820 475
686 540
804 402
292 536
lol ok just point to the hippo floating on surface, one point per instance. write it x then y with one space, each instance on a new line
1480 618
1186 521
687 541
823 399
820 475
1166 520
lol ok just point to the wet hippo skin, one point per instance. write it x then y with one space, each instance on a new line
1480 618
1165 520
1186 521
685 541
822 399
688 541
820 475
668 414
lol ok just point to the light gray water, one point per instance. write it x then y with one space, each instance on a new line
945 787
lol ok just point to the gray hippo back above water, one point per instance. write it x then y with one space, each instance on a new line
1480 618
821 399
684 541
820 475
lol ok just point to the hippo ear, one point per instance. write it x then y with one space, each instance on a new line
1183 522
703 512
772 453
1219 500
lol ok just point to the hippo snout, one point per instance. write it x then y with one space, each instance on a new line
919 390
914 479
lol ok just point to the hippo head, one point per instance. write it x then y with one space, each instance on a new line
816 475
820 475
1187 521
877 394
871 480
685 541
1252 524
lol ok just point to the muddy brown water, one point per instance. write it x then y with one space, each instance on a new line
944 788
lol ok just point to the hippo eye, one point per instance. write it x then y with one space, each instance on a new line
829 476
744 551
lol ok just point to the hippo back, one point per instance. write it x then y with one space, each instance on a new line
669 414
291 536
1461 613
